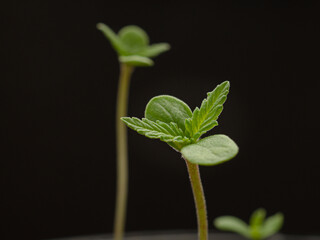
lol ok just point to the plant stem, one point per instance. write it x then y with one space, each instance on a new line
199 199
122 151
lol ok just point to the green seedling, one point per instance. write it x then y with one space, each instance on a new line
258 228
132 46
171 120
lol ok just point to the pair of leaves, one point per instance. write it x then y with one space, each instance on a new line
132 45
259 226
171 120
166 111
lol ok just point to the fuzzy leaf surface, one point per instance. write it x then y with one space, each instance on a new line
168 109
232 224
169 133
204 118
211 150
272 225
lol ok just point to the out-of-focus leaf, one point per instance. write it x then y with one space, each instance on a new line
232 224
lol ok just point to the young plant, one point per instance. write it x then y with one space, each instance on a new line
132 46
171 120
259 227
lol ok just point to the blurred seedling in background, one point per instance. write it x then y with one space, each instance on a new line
132 46
171 120
259 227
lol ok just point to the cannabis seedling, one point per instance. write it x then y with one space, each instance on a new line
259 227
132 46
171 120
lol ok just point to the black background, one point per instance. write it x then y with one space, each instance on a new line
58 90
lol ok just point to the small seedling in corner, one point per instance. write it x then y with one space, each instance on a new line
132 46
171 120
259 227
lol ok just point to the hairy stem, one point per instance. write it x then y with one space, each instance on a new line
199 199
122 151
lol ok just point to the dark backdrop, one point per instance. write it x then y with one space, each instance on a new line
58 91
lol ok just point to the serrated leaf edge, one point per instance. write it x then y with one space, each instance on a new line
156 130
212 106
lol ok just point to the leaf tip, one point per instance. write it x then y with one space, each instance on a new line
226 82
99 26
102 27
166 46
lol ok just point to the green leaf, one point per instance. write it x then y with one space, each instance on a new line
156 130
257 217
211 150
155 49
168 109
112 37
233 224
132 45
256 220
134 39
272 225
136 61
204 119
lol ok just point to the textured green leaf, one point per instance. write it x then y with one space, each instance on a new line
272 225
168 109
211 150
134 39
112 37
136 60
232 224
156 130
204 119
155 49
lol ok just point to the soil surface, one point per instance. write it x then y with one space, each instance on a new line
180 235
